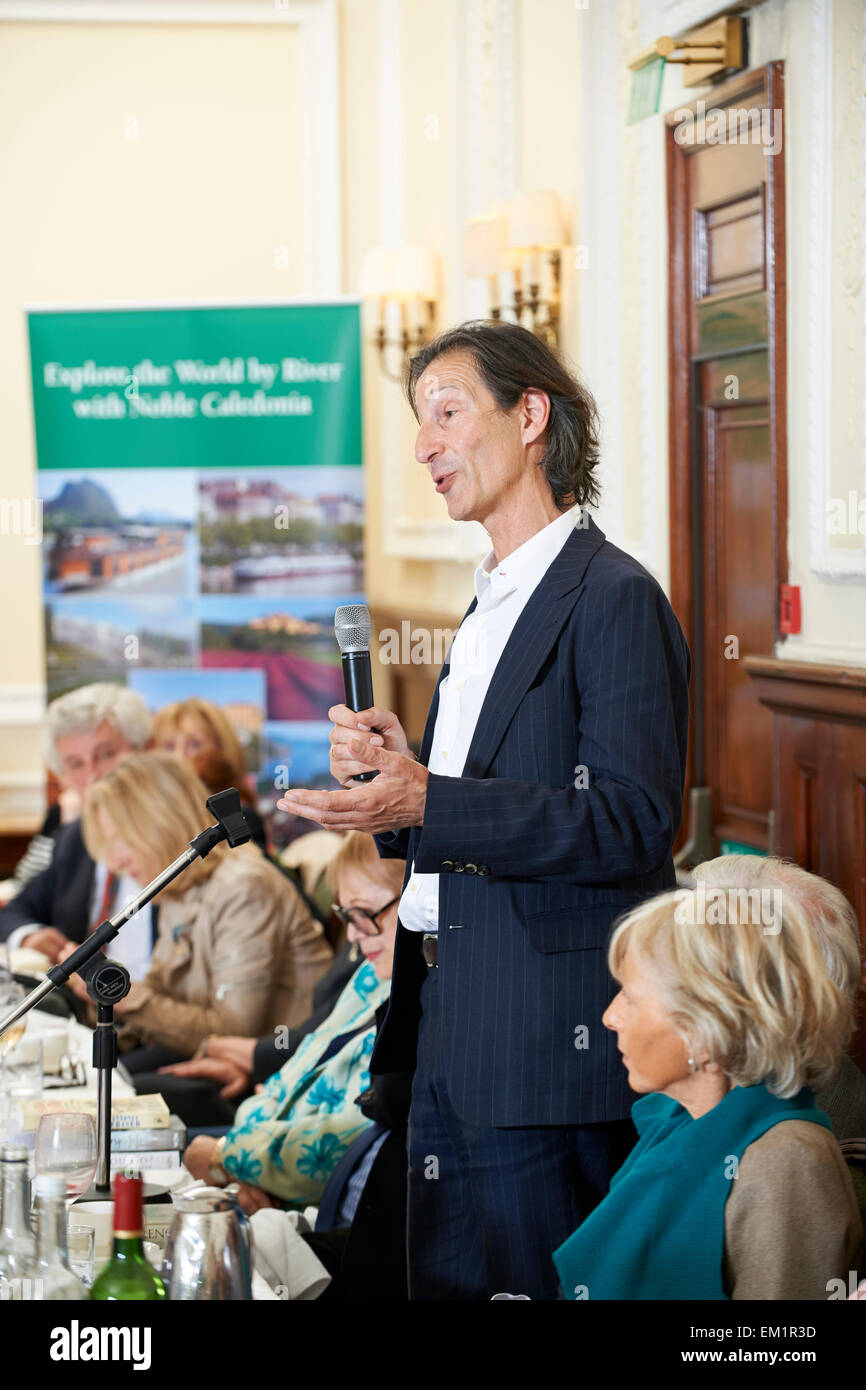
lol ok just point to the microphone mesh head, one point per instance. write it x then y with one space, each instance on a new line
353 627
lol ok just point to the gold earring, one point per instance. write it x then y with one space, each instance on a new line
353 952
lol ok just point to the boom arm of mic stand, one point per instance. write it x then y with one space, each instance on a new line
107 930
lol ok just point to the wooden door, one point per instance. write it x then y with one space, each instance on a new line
727 428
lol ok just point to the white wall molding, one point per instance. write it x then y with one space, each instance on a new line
826 561
320 139
793 649
316 21
161 11
484 31
507 151
22 802
676 15
600 224
22 705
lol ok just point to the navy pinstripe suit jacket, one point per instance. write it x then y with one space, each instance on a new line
595 674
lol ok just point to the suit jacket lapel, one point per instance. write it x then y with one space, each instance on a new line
534 634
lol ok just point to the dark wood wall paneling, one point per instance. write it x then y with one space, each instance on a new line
819 777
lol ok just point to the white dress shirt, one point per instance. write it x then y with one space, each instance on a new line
133 944
502 591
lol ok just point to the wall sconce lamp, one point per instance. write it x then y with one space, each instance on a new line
707 52
526 240
401 282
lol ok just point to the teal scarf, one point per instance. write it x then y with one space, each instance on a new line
660 1231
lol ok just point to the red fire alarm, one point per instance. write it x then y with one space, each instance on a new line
789 609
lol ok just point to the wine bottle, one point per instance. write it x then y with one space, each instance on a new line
128 1274
52 1277
17 1243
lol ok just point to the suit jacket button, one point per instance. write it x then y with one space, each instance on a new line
472 868
483 869
446 866
459 866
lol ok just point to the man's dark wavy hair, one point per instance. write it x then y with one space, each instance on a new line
511 360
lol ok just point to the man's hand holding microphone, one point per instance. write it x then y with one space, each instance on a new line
367 743
366 740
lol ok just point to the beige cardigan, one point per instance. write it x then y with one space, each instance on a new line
792 1222
237 953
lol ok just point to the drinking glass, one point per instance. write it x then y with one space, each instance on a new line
22 1063
11 993
80 1246
66 1145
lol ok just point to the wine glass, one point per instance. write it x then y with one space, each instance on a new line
66 1146
11 993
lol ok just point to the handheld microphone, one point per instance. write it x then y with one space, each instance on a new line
353 627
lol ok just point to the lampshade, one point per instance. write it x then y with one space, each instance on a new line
399 272
484 244
535 220
414 273
378 272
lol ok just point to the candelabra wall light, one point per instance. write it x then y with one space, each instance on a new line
401 285
523 247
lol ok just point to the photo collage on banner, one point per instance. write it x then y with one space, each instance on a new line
202 491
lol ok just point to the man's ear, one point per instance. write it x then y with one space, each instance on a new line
534 414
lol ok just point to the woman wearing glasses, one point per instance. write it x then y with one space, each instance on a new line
287 1140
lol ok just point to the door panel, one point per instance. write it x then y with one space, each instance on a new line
728 474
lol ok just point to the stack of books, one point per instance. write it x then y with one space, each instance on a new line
144 1133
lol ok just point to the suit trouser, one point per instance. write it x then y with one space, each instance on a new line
488 1206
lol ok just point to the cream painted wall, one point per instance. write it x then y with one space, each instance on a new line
191 209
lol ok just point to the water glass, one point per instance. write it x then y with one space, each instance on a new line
66 1146
22 1068
80 1245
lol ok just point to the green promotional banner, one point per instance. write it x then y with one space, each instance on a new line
202 498
215 387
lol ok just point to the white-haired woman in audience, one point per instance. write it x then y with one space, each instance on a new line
736 1187
238 950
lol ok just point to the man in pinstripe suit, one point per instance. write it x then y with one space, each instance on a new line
544 803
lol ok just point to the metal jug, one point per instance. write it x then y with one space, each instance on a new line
209 1250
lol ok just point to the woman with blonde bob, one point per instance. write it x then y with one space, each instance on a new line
730 1020
238 950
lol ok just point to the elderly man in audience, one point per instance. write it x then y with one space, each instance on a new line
733 1010
238 949
86 732
288 1140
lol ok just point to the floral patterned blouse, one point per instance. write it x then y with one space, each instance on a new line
290 1137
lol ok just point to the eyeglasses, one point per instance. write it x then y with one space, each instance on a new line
360 918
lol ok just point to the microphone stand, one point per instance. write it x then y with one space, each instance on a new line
108 981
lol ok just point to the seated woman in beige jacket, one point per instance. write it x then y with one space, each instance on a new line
238 951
